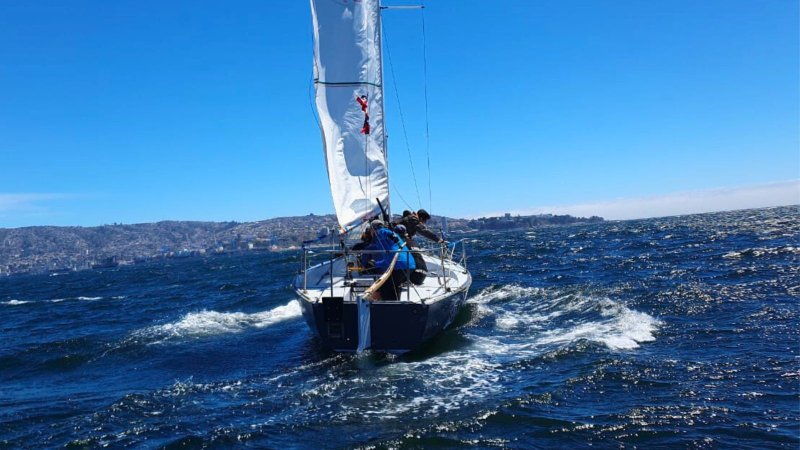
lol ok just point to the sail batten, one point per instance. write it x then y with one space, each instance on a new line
349 99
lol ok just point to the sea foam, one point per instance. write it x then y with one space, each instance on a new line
552 317
15 302
621 329
210 323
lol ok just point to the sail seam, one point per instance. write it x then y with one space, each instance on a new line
348 83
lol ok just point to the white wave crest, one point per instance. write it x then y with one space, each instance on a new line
552 317
14 302
622 329
90 299
511 320
485 298
209 323
511 291
761 251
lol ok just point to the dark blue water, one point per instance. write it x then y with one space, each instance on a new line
679 332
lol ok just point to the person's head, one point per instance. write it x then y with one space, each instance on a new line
401 230
376 224
406 213
423 216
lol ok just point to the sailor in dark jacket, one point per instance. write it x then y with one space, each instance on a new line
414 224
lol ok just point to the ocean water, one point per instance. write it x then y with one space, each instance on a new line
676 332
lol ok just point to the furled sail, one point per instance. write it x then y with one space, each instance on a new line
349 87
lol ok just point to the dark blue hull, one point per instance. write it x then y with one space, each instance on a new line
395 327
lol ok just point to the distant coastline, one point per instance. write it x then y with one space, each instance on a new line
58 249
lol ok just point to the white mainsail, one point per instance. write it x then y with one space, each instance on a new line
349 87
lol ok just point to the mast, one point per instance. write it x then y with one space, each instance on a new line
388 206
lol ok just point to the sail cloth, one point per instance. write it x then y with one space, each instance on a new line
349 97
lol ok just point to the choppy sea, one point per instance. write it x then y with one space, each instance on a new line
674 332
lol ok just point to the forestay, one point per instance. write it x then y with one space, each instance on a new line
349 97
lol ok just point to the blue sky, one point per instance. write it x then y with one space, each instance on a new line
142 111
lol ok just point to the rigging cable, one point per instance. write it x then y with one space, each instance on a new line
400 109
311 88
425 84
311 92
397 191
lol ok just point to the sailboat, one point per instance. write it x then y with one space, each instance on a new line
336 295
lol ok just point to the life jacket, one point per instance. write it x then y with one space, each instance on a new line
388 240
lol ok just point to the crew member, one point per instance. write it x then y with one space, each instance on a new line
364 258
390 243
414 223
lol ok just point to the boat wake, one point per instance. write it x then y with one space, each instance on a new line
531 318
510 325
210 323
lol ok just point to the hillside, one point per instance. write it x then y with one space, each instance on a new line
51 248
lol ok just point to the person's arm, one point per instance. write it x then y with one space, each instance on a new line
423 230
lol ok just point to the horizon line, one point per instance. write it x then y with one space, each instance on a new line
765 195
433 215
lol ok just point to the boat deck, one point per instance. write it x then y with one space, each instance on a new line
318 282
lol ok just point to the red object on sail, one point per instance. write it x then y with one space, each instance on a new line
363 102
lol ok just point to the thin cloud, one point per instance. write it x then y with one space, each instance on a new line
712 200
28 203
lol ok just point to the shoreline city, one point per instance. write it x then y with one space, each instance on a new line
59 249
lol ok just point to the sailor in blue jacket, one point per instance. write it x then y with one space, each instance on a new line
387 240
